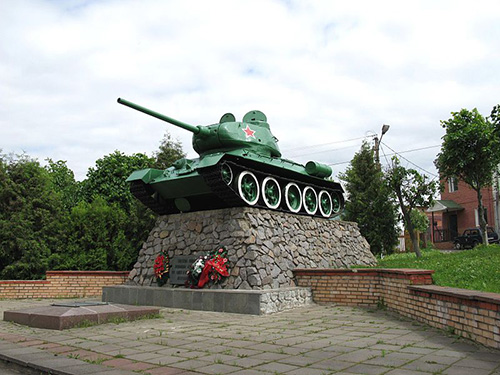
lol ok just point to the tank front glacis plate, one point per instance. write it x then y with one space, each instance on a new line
186 181
180 186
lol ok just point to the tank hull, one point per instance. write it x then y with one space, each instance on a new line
236 178
240 164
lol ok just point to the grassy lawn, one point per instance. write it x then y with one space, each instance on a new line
477 269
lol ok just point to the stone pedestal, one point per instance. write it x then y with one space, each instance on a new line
253 302
264 247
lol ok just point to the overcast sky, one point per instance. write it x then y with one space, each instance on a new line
324 73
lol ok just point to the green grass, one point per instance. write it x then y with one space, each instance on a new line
476 269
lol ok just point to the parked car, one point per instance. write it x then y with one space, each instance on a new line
472 237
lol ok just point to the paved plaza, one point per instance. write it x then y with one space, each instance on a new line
308 340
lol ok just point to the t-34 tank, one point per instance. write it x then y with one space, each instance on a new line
239 164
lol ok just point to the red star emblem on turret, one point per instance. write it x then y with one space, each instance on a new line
249 132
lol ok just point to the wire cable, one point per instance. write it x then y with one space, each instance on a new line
394 153
409 161
329 143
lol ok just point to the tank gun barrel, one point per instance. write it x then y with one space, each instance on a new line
180 124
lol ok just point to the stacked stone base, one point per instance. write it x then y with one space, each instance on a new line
264 247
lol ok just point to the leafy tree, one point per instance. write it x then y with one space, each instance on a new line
63 181
107 179
412 190
370 203
96 239
49 220
420 220
169 151
471 152
31 216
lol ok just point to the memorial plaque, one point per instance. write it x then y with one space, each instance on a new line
179 266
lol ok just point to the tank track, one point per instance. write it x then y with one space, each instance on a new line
229 194
145 195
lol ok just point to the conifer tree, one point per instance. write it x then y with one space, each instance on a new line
370 203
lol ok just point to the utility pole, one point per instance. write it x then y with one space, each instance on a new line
376 147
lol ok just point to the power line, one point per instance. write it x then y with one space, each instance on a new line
409 161
394 153
323 151
326 144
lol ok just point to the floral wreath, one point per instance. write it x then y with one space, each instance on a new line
209 268
162 268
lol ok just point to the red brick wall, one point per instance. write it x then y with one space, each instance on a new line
60 284
467 198
471 314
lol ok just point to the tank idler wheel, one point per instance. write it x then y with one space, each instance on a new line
336 203
293 197
271 192
226 173
325 203
310 200
248 187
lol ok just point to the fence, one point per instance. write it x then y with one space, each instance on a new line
467 313
63 284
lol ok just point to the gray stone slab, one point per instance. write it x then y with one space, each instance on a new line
425 366
179 265
365 369
55 364
477 363
218 368
64 317
219 300
332 364
191 364
276 367
182 299
459 370
84 369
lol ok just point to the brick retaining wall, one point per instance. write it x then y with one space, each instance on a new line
467 313
63 284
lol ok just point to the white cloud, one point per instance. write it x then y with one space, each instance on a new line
322 71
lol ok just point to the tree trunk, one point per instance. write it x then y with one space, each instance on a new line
480 212
409 225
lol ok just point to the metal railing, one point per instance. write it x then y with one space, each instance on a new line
444 235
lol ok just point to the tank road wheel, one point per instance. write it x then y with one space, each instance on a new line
310 199
336 203
325 203
248 187
226 173
293 197
271 192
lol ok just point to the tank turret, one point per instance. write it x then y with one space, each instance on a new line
239 164
253 132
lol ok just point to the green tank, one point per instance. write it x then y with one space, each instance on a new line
239 164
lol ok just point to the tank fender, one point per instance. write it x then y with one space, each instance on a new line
210 160
145 175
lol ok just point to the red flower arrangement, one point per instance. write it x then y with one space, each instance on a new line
161 268
211 268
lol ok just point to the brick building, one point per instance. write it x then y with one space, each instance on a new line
457 210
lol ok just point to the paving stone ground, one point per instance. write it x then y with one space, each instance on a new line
313 340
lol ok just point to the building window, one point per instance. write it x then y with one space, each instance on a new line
452 184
